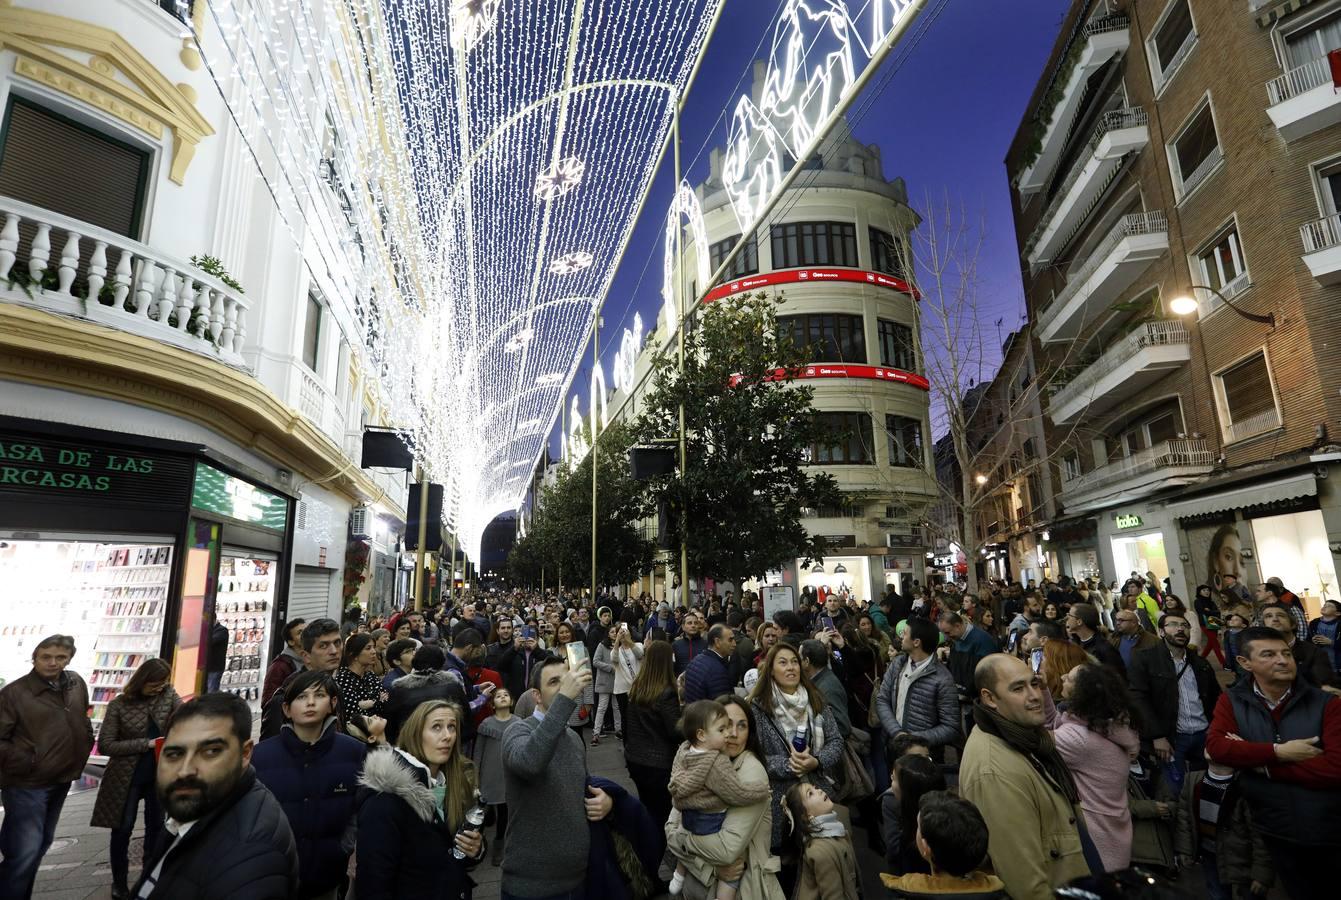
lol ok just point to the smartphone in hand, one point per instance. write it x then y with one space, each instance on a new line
577 655
827 622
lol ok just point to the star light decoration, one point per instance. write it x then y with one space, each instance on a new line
571 263
559 178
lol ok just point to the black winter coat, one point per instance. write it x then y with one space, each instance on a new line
315 784
512 666
404 849
415 688
243 849
1154 689
650 735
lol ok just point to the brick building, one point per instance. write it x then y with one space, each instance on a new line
1188 149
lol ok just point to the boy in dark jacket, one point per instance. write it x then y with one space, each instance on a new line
1212 826
313 771
952 838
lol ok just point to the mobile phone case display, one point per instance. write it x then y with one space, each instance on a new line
243 605
134 582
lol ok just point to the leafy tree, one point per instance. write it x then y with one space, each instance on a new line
559 540
749 431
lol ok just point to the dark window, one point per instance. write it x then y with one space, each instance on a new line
1170 35
897 348
1247 388
814 244
849 440
312 332
1194 147
842 511
68 168
887 254
829 337
905 441
745 263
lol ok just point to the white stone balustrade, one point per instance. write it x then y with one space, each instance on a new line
149 293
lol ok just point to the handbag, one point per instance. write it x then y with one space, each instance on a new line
856 782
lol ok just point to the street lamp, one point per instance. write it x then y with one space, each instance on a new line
981 479
1186 305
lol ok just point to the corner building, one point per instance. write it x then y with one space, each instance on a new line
836 248
1188 149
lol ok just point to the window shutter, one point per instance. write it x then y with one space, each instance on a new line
1248 389
68 169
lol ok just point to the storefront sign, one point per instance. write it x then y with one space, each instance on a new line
1127 521
222 494
55 468
839 540
809 276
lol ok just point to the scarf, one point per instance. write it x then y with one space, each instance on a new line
1035 744
790 713
827 826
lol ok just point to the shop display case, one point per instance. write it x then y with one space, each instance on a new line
243 605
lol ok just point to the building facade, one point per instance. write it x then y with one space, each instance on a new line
180 407
1173 180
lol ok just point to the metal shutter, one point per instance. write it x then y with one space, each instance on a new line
310 595
53 163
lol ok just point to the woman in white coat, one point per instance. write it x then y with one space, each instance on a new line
626 657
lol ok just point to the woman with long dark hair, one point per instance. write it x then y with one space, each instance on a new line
1096 739
134 720
360 685
651 735
800 738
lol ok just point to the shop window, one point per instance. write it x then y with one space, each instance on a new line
849 441
1249 400
841 511
905 441
312 332
887 254
745 263
798 244
897 347
66 167
829 337
1171 41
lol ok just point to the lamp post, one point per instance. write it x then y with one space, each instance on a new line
1186 305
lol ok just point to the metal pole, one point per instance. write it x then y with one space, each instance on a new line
420 578
595 361
679 293
451 574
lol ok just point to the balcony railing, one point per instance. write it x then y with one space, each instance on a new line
1202 170
1321 234
1161 333
1150 222
106 278
1165 455
1113 120
1299 80
1253 426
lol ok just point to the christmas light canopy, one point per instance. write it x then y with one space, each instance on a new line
559 178
571 263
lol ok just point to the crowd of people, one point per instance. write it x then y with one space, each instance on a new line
995 744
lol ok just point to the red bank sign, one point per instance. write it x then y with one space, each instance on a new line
840 370
808 276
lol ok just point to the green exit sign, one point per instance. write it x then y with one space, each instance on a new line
221 493
1127 521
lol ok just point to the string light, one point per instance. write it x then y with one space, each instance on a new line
571 263
559 178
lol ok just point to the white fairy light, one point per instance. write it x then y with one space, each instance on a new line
549 378
686 204
519 340
571 263
626 360
471 21
559 178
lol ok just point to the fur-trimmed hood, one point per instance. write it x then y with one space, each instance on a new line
399 774
423 678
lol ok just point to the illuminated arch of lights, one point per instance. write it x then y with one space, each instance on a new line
457 165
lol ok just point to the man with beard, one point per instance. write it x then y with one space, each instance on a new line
226 835
1175 693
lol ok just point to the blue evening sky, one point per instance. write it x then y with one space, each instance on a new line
943 123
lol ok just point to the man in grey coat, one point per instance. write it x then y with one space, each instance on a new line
918 694
815 663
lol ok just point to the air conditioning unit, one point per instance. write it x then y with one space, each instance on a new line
360 522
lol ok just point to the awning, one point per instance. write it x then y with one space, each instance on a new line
1302 484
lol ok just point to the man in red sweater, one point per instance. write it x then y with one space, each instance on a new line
1284 737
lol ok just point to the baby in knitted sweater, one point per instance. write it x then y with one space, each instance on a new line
704 782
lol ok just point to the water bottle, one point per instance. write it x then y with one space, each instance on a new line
799 741
474 821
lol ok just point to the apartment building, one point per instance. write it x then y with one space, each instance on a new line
1176 179
181 401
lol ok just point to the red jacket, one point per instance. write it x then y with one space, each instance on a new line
479 675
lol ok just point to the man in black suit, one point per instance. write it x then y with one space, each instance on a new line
1175 693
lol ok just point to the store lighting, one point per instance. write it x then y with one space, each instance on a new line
840 569
818 567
